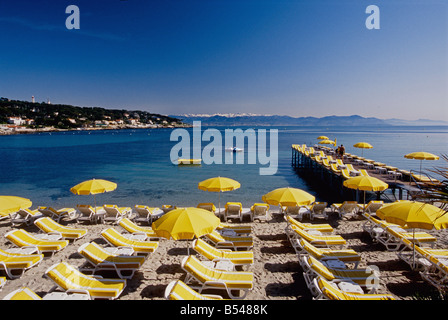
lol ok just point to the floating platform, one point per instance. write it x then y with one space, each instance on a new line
190 162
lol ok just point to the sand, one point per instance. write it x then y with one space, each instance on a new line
278 274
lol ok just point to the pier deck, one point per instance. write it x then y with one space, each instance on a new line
321 166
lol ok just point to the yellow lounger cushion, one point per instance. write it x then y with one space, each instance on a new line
19 261
322 227
319 240
131 227
217 278
117 239
67 277
98 256
49 225
333 293
363 277
22 238
235 242
348 255
178 290
211 253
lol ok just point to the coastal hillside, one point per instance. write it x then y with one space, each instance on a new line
62 116
278 120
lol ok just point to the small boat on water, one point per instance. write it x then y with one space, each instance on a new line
234 149
189 161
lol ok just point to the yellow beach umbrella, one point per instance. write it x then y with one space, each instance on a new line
421 155
413 214
327 141
185 224
365 183
219 184
11 204
363 145
322 138
288 197
94 187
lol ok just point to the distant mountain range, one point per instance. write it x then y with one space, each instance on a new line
277 120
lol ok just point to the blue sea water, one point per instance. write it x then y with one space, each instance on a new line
43 167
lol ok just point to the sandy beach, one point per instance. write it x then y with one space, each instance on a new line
278 274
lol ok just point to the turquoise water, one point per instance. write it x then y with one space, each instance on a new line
43 167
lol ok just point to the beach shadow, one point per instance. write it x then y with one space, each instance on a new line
285 248
290 267
100 241
415 289
391 265
169 269
153 291
352 235
181 252
75 255
271 237
296 289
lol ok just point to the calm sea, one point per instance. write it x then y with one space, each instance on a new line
43 167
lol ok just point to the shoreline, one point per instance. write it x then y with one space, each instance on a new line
50 130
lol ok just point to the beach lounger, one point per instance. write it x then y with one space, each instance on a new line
326 290
233 243
364 172
347 256
67 277
146 214
49 226
434 266
392 238
26 293
295 211
372 206
316 238
317 210
15 264
22 238
25 217
374 226
115 213
322 227
238 258
117 239
237 229
179 290
101 259
58 215
207 206
135 229
233 210
259 211
167 208
90 214
201 277
334 168
366 278
346 174
346 208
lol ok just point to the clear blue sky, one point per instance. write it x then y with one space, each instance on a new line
298 58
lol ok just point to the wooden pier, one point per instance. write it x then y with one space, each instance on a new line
321 168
